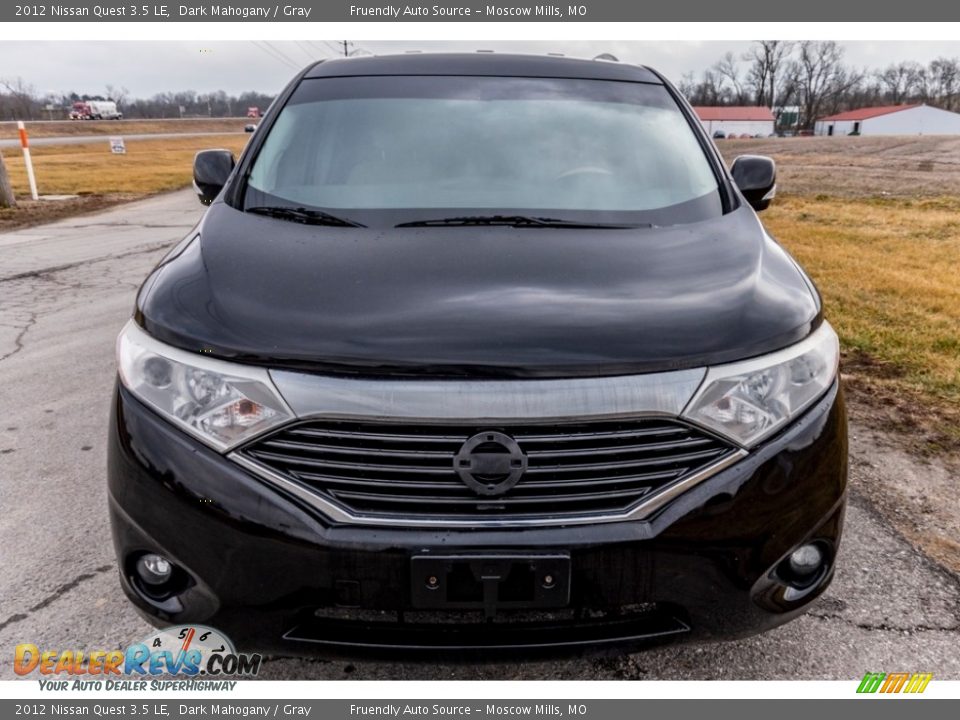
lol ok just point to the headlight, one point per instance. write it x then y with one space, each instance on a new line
750 400
220 403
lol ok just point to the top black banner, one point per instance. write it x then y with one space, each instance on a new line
453 11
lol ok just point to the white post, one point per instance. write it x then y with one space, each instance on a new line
25 144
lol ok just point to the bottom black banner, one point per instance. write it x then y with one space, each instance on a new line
783 709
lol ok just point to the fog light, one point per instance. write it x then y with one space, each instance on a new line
805 560
154 569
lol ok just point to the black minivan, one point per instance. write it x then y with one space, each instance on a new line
477 352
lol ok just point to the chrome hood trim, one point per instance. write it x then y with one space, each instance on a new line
466 401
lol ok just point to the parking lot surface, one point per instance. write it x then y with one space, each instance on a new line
65 291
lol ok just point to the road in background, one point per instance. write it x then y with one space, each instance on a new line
66 289
84 139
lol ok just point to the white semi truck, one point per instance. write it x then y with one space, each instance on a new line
95 110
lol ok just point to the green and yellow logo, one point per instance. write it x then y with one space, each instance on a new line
894 682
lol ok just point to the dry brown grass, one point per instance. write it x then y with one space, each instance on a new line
149 166
889 272
28 212
861 167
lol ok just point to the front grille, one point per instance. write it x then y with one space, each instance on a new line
520 630
406 470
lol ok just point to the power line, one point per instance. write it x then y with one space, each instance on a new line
305 50
269 53
333 47
275 56
289 59
316 46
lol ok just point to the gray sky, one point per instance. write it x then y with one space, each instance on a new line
146 68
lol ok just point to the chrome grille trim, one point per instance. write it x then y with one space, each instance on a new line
338 513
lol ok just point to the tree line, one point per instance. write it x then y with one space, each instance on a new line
811 76
814 77
20 101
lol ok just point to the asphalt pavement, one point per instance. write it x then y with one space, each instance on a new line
67 288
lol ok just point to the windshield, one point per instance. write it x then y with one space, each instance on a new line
560 148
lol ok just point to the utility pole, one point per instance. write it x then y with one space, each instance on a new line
7 200
345 51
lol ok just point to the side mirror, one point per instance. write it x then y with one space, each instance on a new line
756 176
211 168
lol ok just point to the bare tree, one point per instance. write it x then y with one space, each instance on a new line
118 94
708 90
687 85
899 80
20 97
7 200
767 60
822 79
728 70
944 79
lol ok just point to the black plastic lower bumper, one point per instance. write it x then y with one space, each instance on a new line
276 577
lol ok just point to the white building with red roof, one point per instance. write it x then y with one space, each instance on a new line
736 120
890 120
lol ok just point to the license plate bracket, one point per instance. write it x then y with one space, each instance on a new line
490 582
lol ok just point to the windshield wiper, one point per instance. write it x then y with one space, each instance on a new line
515 221
303 215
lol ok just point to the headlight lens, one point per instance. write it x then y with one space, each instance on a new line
221 403
750 400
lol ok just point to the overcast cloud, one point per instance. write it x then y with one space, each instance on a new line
149 68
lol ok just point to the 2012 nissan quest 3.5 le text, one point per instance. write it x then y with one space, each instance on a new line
476 353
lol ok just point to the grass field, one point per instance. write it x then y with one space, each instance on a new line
149 166
858 167
889 272
875 221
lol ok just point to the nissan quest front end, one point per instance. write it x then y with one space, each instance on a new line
475 354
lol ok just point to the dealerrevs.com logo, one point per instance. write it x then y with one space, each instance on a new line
189 652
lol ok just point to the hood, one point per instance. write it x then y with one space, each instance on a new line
478 301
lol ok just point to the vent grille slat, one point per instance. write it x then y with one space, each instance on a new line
309 448
622 450
406 470
504 501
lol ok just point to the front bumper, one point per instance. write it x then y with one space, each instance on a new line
277 577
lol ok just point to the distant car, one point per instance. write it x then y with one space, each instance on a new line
719 135
249 128
745 136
